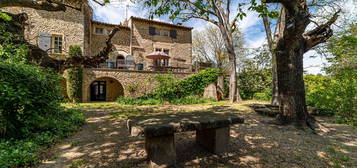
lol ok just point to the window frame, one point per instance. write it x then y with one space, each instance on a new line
104 31
60 45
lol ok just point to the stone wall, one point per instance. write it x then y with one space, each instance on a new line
124 77
144 43
121 39
69 24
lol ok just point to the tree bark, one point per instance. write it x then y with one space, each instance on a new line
272 49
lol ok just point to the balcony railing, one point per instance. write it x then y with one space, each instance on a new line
119 64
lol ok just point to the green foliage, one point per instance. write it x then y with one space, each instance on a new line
75 51
74 78
333 95
255 83
18 153
28 98
10 48
170 88
191 100
264 96
24 152
138 101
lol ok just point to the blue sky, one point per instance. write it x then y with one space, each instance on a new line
251 25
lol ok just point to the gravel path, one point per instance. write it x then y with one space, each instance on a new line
105 142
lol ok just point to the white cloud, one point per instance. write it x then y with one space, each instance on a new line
252 19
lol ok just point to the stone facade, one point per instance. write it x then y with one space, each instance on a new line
135 39
124 79
70 25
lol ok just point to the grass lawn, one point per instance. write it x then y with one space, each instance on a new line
104 141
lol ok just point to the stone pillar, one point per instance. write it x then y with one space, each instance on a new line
214 140
161 151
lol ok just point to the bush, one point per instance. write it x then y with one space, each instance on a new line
255 83
74 84
29 97
18 153
169 88
264 96
333 95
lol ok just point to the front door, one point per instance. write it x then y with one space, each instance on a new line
98 91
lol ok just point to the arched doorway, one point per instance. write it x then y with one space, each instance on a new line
105 89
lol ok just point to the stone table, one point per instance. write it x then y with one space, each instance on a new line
212 133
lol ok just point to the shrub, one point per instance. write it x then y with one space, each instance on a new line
264 96
333 95
169 88
18 153
74 84
29 97
254 83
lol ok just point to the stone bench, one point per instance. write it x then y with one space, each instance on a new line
212 133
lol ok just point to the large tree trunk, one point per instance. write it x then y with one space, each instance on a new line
290 49
291 84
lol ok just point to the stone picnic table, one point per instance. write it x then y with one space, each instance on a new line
212 133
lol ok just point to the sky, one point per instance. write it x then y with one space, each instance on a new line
251 26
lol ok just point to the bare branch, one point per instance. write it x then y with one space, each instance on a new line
320 33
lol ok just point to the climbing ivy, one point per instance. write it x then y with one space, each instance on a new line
74 77
169 88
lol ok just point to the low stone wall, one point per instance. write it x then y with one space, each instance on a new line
126 78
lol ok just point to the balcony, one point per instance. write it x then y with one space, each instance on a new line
119 64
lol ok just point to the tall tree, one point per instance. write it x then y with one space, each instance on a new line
209 46
272 45
217 12
292 42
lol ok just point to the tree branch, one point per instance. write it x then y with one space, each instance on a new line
47 5
320 33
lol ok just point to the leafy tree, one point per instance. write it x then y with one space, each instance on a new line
291 29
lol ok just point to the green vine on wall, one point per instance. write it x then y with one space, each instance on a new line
74 77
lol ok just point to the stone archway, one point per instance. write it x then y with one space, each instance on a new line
105 89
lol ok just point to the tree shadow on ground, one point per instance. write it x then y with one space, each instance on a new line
105 142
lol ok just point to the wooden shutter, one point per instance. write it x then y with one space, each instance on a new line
173 33
44 41
152 30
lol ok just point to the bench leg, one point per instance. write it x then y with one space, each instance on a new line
161 151
214 140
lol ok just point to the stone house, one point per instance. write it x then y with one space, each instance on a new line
129 64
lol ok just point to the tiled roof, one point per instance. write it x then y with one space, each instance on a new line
110 24
159 22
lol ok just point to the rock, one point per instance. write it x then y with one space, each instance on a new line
214 140
211 91
267 112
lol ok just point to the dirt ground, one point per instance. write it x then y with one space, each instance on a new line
104 141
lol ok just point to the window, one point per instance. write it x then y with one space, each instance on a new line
57 44
158 49
164 33
166 51
99 31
